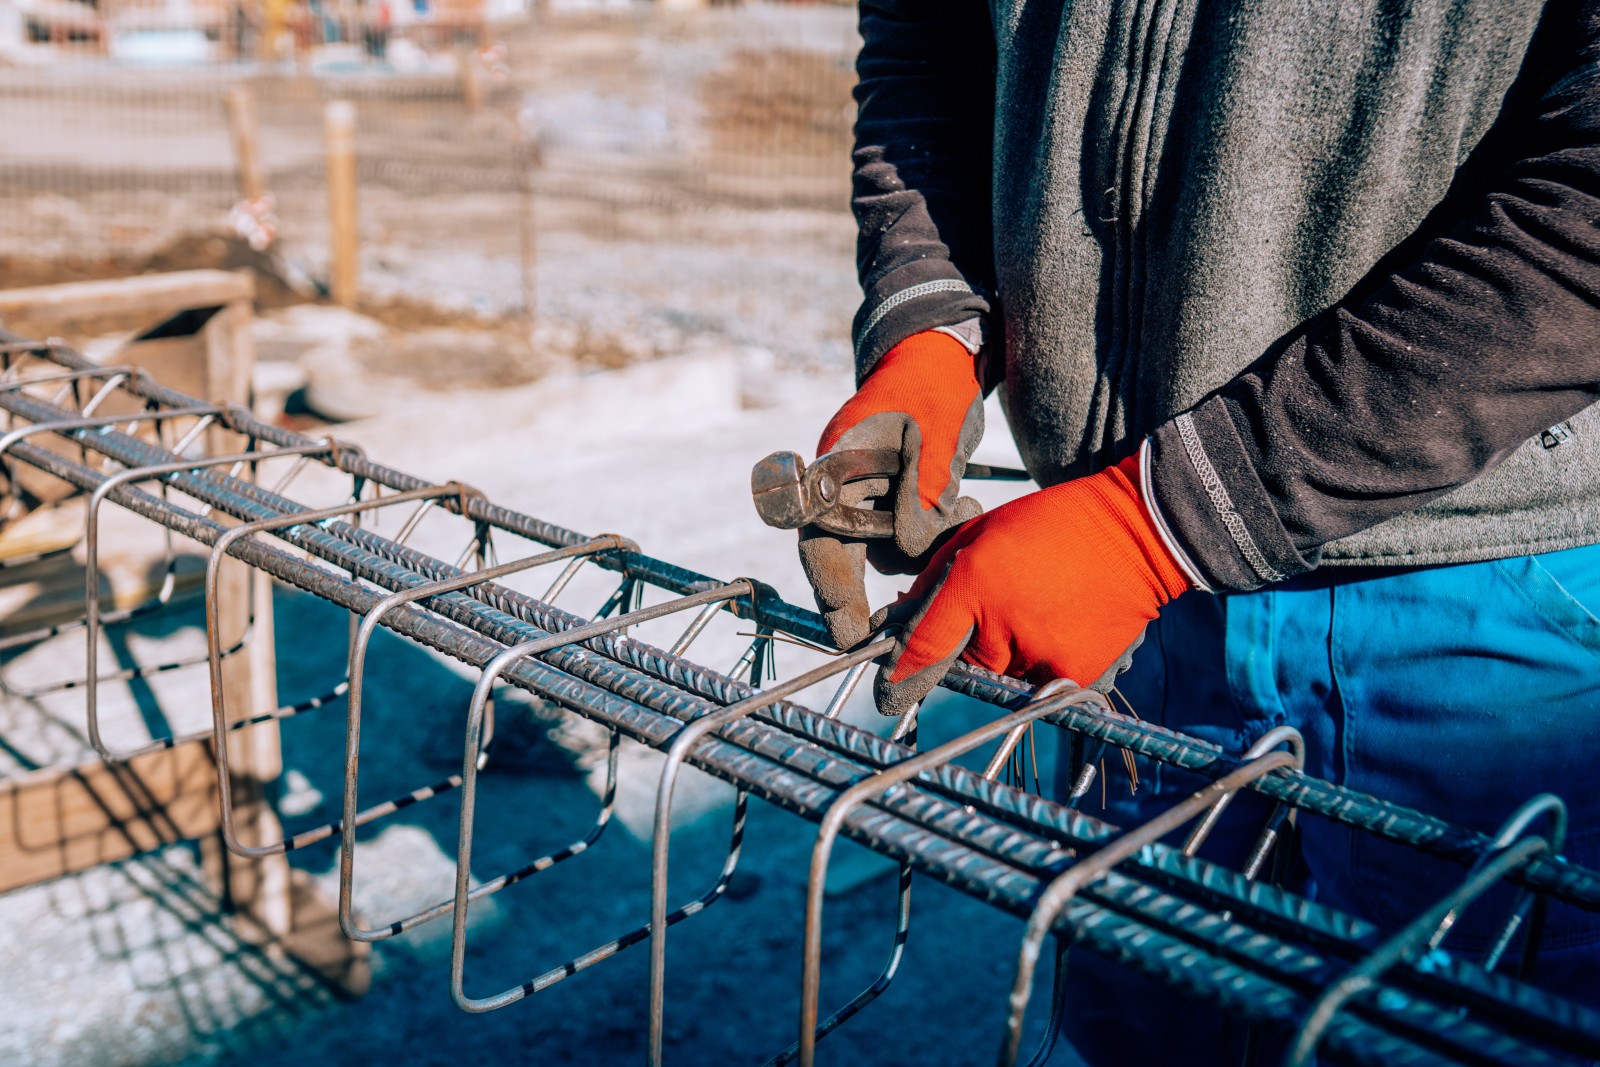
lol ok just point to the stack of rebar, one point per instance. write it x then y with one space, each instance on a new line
1343 989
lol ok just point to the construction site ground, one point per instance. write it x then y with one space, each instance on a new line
650 184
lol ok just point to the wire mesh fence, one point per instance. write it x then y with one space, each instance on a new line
628 125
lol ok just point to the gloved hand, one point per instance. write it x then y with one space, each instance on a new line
1057 584
923 400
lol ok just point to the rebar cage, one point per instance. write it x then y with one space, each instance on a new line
216 476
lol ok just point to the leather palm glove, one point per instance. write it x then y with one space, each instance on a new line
922 400
1060 583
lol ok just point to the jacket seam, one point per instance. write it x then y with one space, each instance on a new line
1221 502
895 300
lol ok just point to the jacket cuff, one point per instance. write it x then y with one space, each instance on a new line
970 333
1213 505
1169 540
922 295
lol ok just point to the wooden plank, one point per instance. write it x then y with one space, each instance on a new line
249 681
230 357
147 294
42 530
255 759
50 592
55 822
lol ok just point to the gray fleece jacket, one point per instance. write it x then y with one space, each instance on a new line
1337 260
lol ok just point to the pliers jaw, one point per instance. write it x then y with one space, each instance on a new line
788 494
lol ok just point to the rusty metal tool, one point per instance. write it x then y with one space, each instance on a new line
788 494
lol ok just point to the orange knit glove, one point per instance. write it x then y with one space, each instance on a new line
1057 584
930 377
922 400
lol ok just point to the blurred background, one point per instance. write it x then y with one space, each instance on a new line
591 184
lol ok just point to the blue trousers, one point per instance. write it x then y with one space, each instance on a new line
1460 691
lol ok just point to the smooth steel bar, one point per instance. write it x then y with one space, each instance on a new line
897 950
902 926
1364 975
114 375
219 710
1002 754
352 756
1268 741
603 952
92 617
558 586
464 895
1515 826
1559 877
71 425
1059 893
1052 695
85 421
661 837
696 628
1047 1043
1047 861
846 689
163 595
24 347
906 727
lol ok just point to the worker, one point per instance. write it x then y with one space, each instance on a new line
1294 310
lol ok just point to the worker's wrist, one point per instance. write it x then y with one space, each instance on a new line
1131 529
1158 522
1163 563
929 377
1215 510
920 294
930 355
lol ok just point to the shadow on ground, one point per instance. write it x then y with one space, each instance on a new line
733 970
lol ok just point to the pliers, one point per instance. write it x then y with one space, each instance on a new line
788 494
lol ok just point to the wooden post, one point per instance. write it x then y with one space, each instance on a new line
528 243
246 142
249 678
58 820
340 127
471 72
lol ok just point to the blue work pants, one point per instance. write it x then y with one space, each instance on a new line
1460 691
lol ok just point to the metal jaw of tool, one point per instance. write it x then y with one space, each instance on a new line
788 494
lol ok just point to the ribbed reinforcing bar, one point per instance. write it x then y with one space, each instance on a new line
1232 939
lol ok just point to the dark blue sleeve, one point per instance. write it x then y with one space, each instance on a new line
923 159
1481 332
